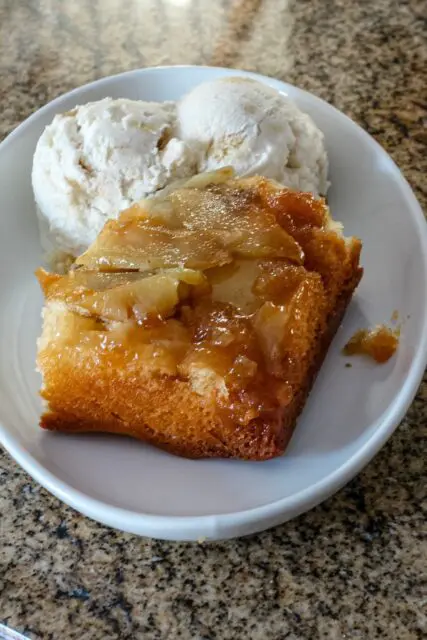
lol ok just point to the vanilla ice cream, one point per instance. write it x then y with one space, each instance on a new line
244 123
97 159
94 161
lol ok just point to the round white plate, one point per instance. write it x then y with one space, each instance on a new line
351 412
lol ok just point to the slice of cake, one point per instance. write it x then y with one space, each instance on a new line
199 319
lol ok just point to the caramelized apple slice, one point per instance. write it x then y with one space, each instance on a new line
233 284
261 243
133 245
285 329
277 281
204 180
157 211
140 298
236 217
54 285
270 326
160 210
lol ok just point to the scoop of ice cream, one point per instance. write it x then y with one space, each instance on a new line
99 158
244 123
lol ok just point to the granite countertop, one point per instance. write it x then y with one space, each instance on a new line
351 568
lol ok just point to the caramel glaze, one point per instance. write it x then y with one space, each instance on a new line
225 342
380 343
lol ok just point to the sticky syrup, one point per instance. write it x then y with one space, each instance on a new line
379 343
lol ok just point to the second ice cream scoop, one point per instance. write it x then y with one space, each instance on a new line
244 123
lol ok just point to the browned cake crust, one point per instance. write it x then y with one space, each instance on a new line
109 390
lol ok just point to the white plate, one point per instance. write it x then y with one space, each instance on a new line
351 412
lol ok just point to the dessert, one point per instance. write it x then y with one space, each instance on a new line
259 131
198 319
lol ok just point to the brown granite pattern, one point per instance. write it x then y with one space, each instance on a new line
354 567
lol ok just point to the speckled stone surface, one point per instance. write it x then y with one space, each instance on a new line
355 567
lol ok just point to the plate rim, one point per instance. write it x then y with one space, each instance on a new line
228 525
